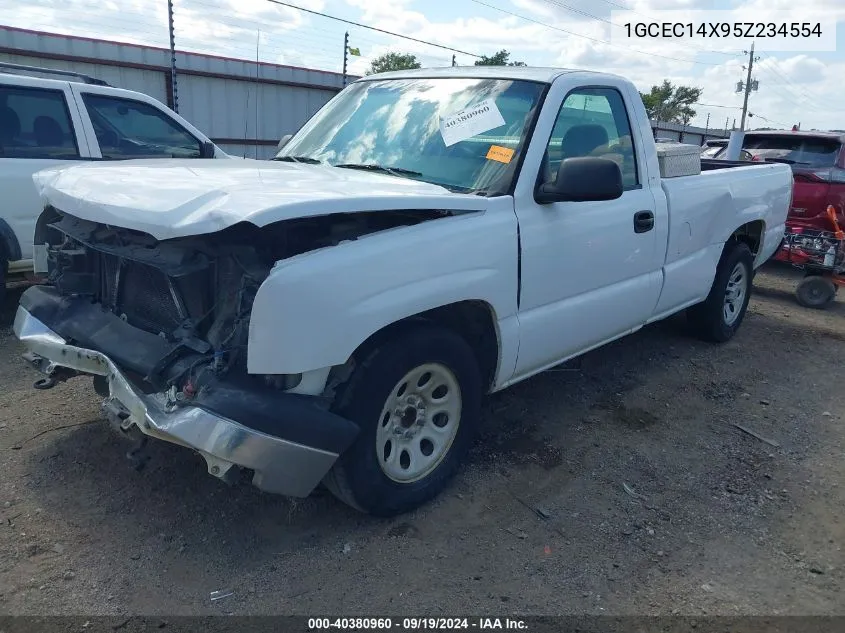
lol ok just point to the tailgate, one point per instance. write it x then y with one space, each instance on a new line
810 195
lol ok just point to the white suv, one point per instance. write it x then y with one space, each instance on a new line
47 122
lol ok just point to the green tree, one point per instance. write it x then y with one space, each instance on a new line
498 59
670 103
393 61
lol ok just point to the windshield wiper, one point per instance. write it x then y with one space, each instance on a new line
299 159
393 171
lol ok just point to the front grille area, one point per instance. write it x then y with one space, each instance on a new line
144 296
148 297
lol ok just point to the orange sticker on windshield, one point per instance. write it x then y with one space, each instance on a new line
501 154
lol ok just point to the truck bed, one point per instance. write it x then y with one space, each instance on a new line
709 164
703 212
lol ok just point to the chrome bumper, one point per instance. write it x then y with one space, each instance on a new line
280 466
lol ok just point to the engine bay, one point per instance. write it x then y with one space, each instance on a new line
195 293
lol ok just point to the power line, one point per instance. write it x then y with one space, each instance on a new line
285 32
586 37
751 114
580 12
120 34
800 94
373 28
595 17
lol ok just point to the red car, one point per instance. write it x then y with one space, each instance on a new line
818 167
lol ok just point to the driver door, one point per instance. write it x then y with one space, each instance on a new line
591 271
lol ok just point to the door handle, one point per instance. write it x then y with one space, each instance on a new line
643 221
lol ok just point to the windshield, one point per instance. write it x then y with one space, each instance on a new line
713 151
462 133
799 150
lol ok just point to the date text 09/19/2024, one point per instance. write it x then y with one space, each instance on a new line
415 624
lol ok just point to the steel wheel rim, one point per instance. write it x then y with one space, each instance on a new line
418 423
735 293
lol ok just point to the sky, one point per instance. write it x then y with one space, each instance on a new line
795 86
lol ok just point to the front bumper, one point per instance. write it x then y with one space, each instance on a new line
280 465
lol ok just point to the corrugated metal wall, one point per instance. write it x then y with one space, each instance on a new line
686 133
149 82
243 106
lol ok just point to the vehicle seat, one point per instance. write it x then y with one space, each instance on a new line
578 141
582 140
10 125
48 132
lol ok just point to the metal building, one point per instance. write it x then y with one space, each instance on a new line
245 107
687 133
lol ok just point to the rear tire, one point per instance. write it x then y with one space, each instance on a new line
417 400
719 316
815 291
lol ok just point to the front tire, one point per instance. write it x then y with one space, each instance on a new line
4 268
719 316
417 401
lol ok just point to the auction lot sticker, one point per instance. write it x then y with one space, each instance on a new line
470 121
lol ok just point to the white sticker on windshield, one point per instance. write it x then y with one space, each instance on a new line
470 121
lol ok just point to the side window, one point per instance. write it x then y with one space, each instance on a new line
594 122
35 123
133 129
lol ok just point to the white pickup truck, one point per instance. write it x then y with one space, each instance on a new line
52 122
337 315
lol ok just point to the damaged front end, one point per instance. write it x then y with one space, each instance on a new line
163 328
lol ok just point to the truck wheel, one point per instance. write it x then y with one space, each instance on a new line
417 401
719 316
4 267
815 291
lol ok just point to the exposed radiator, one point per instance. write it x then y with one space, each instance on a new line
150 299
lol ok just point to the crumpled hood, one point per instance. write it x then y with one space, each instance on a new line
180 197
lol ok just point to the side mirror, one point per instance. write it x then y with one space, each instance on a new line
207 149
284 141
582 180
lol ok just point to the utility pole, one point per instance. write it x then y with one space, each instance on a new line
345 54
748 85
707 126
727 120
172 55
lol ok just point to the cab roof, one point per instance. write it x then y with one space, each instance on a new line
526 73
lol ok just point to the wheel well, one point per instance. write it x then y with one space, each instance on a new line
750 234
43 233
472 320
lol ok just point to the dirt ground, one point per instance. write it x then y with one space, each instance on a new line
617 487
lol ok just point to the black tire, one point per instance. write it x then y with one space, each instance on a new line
815 291
357 478
4 268
707 319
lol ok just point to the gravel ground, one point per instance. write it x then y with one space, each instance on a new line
619 485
